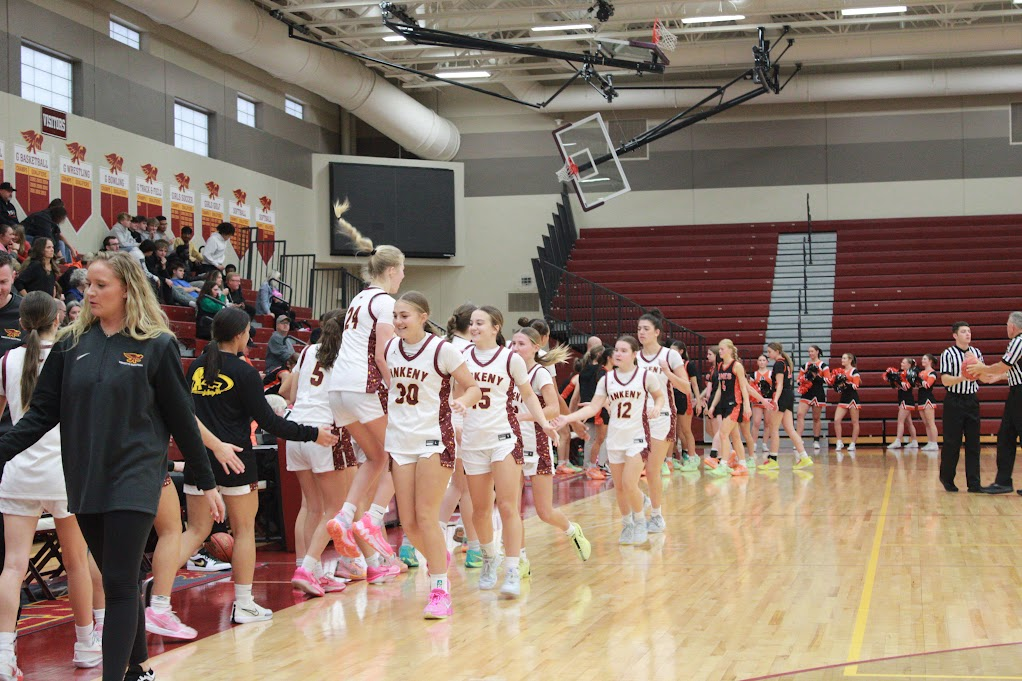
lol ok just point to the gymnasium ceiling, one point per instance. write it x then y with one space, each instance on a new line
927 35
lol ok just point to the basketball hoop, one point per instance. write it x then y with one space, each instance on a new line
663 38
568 172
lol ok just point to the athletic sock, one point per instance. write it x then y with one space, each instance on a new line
376 512
312 565
522 555
405 541
84 634
98 616
655 512
473 545
638 518
571 529
626 519
511 563
298 561
159 604
243 594
439 582
7 642
375 560
489 550
348 513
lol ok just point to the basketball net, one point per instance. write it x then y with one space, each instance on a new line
568 172
662 37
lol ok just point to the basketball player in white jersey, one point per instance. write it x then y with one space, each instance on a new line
420 434
536 446
492 445
318 474
633 396
33 483
668 367
358 385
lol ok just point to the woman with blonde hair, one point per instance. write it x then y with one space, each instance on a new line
731 406
781 413
119 351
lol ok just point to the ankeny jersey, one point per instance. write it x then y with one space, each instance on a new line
355 369
419 407
628 399
312 399
491 422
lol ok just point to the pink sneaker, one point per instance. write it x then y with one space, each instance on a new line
372 535
331 584
350 569
167 624
304 580
379 575
439 606
344 538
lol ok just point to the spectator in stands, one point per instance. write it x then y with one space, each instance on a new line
155 261
8 213
211 300
274 379
110 244
73 310
137 228
10 303
281 347
46 223
76 290
230 269
19 249
183 292
215 251
122 230
149 228
64 280
163 230
7 237
235 296
187 251
39 272
271 301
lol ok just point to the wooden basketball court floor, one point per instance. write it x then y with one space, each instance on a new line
858 567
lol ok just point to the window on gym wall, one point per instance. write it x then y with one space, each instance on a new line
294 108
124 34
46 79
246 111
191 129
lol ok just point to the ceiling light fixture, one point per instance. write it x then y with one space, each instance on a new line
567 27
394 39
460 75
861 11
711 20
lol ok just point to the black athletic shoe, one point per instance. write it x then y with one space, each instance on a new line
997 489
949 486
137 674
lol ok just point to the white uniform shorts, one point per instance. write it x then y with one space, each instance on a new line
352 407
238 491
308 456
35 507
479 461
660 427
531 464
622 455
408 459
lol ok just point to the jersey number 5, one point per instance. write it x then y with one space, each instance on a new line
317 375
408 394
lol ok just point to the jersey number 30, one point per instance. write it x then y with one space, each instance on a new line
407 394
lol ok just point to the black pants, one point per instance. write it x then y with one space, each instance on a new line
1008 436
961 419
117 540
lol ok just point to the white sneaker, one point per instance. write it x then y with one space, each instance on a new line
627 532
9 668
201 562
249 612
816 445
895 445
912 445
488 575
656 524
851 448
839 446
931 447
512 587
640 535
87 655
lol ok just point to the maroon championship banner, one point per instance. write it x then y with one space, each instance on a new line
113 190
241 218
76 185
182 204
32 173
212 209
149 192
266 226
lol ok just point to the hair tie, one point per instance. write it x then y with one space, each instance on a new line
372 252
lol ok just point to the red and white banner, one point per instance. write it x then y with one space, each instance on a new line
182 204
149 192
266 224
32 173
241 219
212 209
76 185
113 190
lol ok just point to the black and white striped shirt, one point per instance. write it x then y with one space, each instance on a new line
951 364
1013 358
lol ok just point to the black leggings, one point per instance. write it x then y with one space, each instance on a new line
125 533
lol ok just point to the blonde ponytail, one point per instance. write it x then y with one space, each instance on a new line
381 258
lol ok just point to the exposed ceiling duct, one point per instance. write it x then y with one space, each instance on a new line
240 29
942 82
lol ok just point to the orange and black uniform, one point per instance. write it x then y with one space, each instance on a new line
906 398
782 383
848 396
685 401
927 378
587 380
730 405
817 392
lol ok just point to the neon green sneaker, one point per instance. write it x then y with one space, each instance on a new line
769 465
582 546
407 555
473 558
524 568
665 470
750 463
805 462
676 464
690 464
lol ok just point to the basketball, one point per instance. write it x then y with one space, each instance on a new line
221 546
969 360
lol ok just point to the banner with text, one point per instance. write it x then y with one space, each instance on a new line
149 192
212 214
32 173
76 185
241 219
113 190
182 204
266 224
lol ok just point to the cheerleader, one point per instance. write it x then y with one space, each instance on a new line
536 446
492 445
927 402
812 381
685 402
784 402
669 368
903 381
846 382
420 434
33 483
626 391
358 385
457 495
762 385
318 472
731 405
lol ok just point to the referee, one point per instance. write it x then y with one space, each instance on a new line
1011 422
961 411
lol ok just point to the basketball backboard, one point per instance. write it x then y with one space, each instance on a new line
590 162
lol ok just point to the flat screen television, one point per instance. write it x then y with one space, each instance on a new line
408 207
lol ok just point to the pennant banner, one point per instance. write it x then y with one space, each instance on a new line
212 214
241 218
32 173
76 185
266 225
149 192
182 204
